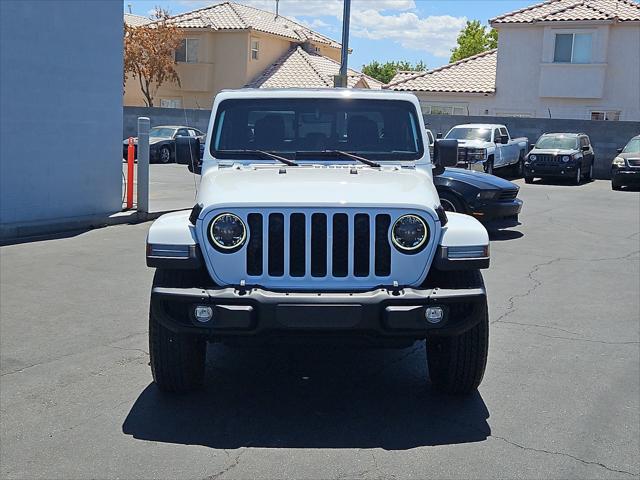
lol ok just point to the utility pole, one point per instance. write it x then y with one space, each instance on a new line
341 79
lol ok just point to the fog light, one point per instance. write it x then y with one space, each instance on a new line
203 313
434 314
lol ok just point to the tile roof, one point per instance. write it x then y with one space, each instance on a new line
573 11
475 74
235 16
301 69
135 20
403 75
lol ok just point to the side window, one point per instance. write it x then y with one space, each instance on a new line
503 131
192 133
255 49
496 135
182 132
584 141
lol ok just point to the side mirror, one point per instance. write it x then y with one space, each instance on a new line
532 146
584 148
187 151
439 135
504 139
619 150
445 154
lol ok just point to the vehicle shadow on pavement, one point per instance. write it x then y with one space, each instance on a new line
310 397
502 235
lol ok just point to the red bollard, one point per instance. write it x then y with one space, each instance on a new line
131 153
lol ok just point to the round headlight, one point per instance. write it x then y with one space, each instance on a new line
409 233
227 231
566 158
532 158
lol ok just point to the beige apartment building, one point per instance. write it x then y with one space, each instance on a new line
230 45
576 59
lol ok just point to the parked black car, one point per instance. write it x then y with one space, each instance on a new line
625 168
560 155
490 199
162 142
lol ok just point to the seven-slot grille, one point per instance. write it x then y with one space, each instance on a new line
546 159
318 244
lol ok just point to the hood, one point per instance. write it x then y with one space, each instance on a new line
553 151
317 186
478 179
629 156
472 143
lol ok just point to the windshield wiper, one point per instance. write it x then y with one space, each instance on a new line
286 161
366 161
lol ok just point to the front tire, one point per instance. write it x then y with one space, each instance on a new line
488 167
589 177
164 155
457 363
578 178
177 359
451 203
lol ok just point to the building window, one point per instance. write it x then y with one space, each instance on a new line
573 48
171 103
605 115
187 52
255 49
434 109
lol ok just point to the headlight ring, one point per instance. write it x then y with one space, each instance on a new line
409 233
227 232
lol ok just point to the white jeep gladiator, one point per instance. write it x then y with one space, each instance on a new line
487 147
317 218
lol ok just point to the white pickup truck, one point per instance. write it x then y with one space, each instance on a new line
488 146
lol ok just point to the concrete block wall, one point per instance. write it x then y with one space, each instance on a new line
605 136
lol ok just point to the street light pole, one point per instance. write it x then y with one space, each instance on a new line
341 79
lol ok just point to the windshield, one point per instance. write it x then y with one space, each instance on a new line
465 133
633 146
161 132
557 143
298 127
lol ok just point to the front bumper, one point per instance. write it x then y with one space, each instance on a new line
557 171
379 313
626 176
500 213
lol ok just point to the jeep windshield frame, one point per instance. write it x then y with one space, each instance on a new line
376 129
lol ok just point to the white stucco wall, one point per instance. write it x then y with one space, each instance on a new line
61 110
528 81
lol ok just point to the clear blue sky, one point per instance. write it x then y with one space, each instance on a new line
381 30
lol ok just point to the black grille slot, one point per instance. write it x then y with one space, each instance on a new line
318 245
276 244
254 247
383 249
296 245
340 245
508 194
361 245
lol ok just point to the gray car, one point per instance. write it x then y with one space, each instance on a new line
560 155
162 142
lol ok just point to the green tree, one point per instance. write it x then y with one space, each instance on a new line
473 39
384 72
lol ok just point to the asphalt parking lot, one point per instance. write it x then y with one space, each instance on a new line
560 398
